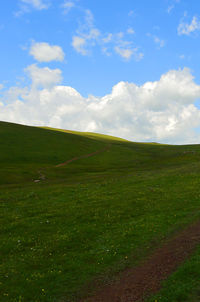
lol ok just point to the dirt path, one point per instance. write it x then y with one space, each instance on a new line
42 171
140 282
84 156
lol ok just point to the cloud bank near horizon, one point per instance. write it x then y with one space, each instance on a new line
162 111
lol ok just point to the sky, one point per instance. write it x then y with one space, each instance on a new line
125 68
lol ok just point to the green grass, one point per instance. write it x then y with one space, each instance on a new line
92 218
25 150
183 285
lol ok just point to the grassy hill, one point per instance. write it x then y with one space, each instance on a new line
91 218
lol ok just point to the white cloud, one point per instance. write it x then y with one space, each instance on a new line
94 33
130 31
125 53
170 8
43 52
159 42
67 6
161 111
188 28
106 52
43 77
37 4
79 44
27 5
89 18
182 57
108 38
88 36
125 48
1 86
14 93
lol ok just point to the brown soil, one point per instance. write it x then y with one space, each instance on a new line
43 177
83 156
138 283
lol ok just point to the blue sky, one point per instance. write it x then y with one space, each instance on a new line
93 46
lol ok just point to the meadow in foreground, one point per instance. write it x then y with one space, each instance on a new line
92 218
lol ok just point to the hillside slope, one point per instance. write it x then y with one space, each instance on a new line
26 150
91 218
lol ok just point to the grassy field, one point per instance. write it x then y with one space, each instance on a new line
183 285
84 222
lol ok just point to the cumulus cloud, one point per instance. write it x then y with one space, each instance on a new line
43 77
161 111
44 52
188 28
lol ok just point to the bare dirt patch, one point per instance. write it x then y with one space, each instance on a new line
137 283
84 156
